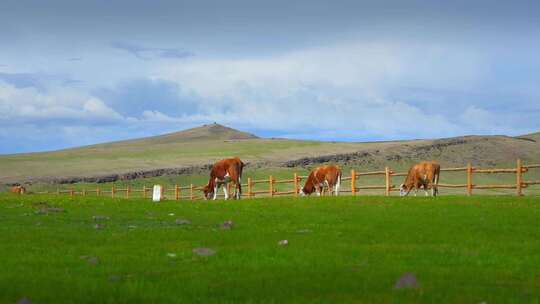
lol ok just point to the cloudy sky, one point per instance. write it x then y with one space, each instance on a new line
74 73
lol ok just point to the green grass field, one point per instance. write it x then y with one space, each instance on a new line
483 249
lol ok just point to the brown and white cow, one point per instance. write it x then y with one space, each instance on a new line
329 176
424 174
224 172
18 189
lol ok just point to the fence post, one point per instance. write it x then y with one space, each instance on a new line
271 189
191 191
519 178
84 192
112 191
97 191
128 190
250 187
144 191
387 181
353 182
469 179
71 192
176 192
296 187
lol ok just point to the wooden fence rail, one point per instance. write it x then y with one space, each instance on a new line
192 192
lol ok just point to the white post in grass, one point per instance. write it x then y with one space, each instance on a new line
156 195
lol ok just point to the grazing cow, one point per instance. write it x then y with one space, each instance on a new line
329 176
424 174
223 172
18 189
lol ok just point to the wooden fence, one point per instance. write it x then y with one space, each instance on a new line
193 192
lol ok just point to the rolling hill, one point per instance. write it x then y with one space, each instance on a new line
194 149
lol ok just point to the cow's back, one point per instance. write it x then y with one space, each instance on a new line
427 170
228 165
329 173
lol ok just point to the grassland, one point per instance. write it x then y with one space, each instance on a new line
341 250
204 145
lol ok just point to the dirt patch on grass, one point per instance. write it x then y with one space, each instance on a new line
407 280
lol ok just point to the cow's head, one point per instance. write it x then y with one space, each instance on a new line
403 190
307 190
208 192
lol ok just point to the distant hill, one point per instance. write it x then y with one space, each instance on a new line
175 153
206 132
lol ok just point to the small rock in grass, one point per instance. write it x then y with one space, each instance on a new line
283 243
99 226
407 280
171 214
227 225
182 222
24 301
204 251
100 218
132 226
90 259
171 255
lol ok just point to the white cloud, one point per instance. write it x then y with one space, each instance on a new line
329 89
30 106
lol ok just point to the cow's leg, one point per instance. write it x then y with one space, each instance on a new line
239 186
237 190
225 191
436 185
337 186
234 177
329 187
215 192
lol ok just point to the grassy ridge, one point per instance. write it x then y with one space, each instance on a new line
346 249
206 144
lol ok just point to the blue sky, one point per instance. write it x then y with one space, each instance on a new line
74 73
